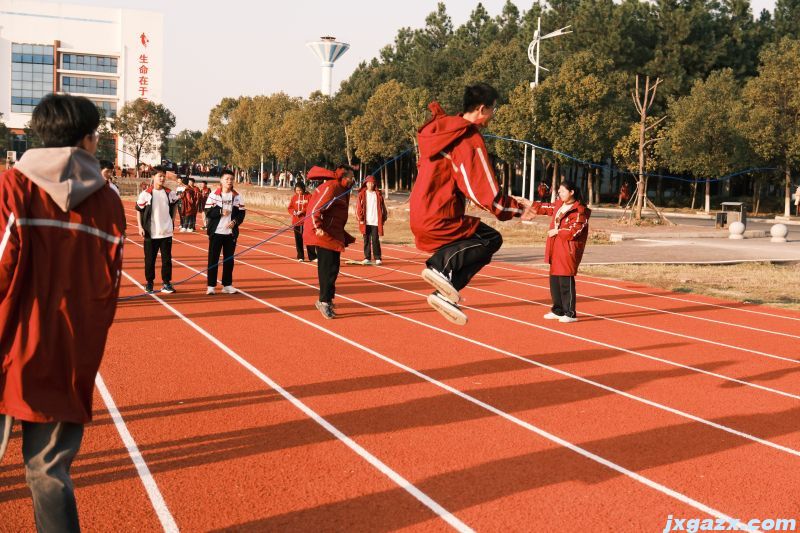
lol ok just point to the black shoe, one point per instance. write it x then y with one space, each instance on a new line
168 288
149 288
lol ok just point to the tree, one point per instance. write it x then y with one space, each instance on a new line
209 148
237 134
702 136
643 101
389 122
772 110
185 143
106 143
268 113
787 18
144 126
580 109
626 151
5 136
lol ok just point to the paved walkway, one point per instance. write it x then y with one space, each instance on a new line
666 250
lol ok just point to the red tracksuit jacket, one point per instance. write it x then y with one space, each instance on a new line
564 251
328 210
361 210
453 168
297 207
61 239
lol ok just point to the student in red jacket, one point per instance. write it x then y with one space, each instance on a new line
324 228
566 240
371 212
454 168
61 238
202 198
190 204
297 208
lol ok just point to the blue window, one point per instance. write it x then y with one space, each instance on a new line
31 77
89 63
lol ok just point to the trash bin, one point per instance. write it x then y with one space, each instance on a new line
722 220
734 212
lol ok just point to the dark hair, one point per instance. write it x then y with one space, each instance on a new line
346 168
478 95
299 183
226 172
189 179
63 120
576 191
106 164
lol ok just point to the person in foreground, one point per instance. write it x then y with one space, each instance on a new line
61 239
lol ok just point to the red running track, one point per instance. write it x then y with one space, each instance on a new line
250 412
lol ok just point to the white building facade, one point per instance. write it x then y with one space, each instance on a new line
111 56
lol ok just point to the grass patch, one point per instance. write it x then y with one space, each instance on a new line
758 283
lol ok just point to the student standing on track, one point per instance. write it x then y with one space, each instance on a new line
225 213
107 171
189 206
454 168
297 208
371 212
61 239
202 199
155 213
324 228
566 241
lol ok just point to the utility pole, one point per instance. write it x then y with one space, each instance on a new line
533 55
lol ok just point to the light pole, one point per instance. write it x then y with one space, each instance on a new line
533 56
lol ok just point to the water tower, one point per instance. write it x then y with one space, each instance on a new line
328 50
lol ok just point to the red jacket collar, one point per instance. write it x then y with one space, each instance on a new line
219 192
150 190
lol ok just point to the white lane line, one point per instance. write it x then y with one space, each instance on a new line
543 366
632 324
156 499
582 279
511 418
601 317
382 467
559 332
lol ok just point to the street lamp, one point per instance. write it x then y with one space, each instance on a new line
533 55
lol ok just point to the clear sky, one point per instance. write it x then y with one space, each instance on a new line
238 47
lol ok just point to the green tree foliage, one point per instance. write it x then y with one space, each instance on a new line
772 110
186 145
702 136
144 126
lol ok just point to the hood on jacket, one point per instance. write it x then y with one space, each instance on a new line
440 131
319 174
68 175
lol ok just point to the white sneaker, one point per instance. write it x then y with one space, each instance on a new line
447 309
210 290
183 230
567 319
315 261
190 230
228 289
440 282
552 316
366 262
378 262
